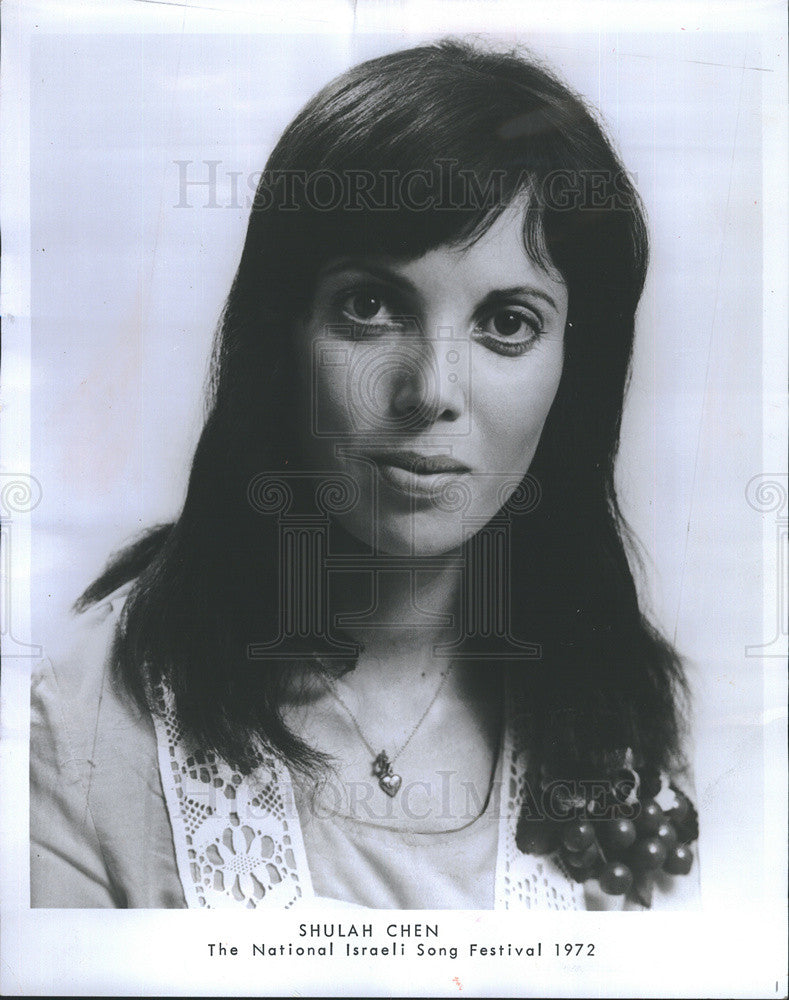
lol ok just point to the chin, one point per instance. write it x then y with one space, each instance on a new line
414 535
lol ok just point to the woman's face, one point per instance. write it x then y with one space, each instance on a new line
430 382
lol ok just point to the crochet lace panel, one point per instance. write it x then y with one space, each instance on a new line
526 881
238 839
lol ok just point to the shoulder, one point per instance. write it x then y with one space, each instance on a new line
74 695
82 641
98 825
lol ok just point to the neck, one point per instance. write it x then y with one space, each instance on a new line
398 616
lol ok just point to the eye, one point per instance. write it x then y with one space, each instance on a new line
509 330
364 305
367 307
508 323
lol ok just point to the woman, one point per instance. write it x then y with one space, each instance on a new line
391 652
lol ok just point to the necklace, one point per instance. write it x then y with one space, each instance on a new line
382 764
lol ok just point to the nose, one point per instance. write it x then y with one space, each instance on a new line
431 384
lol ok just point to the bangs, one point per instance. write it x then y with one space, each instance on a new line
419 224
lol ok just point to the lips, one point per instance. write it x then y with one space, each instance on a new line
420 465
414 475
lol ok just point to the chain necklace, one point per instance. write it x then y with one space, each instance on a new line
382 763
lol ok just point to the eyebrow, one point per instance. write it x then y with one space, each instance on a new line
379 272
386 275
499 294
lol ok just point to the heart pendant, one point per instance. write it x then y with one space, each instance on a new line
390 784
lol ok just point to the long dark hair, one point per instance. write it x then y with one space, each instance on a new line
474 131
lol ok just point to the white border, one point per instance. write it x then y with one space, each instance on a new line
145 952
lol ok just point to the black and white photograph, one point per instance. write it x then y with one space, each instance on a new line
394 499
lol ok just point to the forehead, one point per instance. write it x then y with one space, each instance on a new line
498 257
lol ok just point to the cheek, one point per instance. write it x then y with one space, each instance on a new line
330 413
329 396
511 409
353 385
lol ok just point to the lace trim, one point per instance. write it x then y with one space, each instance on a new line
525 881
238 840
